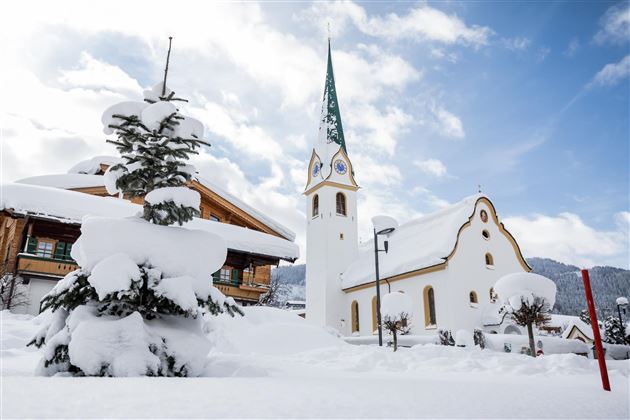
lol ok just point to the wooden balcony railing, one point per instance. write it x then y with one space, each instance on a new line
28 263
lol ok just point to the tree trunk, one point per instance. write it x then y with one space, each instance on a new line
530 333
395 340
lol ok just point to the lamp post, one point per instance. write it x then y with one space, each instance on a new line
383 225
621 302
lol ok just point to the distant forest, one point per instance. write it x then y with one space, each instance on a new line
608 283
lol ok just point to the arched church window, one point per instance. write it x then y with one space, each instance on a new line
489 259
355 316
315 205
484 216
374 317
341 204
429 307
473 297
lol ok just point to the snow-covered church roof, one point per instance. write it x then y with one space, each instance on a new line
420 243
70 207
82 175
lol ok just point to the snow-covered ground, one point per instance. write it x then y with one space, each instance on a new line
272 364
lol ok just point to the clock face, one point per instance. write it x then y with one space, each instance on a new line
340 166
316 169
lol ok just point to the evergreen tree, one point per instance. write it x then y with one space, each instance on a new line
614 331
123 281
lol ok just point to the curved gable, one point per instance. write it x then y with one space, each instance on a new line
501 228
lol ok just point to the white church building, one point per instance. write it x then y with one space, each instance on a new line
447 261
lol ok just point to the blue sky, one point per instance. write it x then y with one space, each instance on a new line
529 100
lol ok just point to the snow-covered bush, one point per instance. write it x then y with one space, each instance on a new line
396 310
479 338
446 338
527 299
136 304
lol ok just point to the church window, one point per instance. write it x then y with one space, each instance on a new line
374 317
355 316
429 307
485 234
489 259
341 204
315 205
473 297
484 216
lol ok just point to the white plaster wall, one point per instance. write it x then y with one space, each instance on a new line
468 271
37 288
331 245
414 288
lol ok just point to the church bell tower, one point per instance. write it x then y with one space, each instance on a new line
331 201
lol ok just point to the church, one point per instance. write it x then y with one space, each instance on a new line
446 262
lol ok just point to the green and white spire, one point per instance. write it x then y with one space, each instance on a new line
330 136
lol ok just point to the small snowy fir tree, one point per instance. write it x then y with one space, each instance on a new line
395 309
136 304
614 331
527 300
585 317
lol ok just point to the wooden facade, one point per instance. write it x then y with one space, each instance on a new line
36 247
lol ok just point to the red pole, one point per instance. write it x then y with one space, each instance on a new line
598 339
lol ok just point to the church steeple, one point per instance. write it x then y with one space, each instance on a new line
330 127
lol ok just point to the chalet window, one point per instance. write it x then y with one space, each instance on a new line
224 275
341 204
315 205
44 249
429 307
355 316
62 251
473 297
489 259
214 218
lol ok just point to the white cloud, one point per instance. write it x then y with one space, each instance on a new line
367 125
573 47
542 53
421 23
433 201
612 73
615 25
447 123
568 239
95 74
515 44
433 167
373 172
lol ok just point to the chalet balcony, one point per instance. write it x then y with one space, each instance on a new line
32 264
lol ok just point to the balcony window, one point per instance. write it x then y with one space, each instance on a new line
44 249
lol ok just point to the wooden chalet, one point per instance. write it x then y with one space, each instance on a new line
40 220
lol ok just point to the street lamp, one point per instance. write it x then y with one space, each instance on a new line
621 302
383 225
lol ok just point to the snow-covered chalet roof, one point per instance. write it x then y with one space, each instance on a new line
70 207
586 329
80 176
65 181
417 244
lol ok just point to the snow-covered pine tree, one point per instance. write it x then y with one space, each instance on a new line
136 304
614 331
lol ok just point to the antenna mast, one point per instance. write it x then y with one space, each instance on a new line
168 57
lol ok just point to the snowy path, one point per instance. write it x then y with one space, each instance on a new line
340 381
